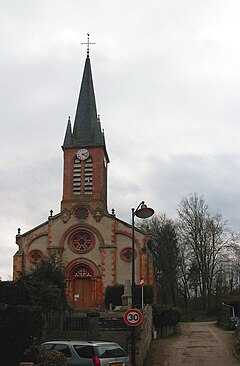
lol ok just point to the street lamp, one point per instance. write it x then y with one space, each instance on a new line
142 212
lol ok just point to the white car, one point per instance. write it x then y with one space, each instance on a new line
90 353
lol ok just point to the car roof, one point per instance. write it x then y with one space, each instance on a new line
84 342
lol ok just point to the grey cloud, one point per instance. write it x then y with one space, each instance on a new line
166 78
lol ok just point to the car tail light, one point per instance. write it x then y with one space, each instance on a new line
96 361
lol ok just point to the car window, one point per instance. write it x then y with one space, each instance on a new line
84 351
64 349
109 351
48 346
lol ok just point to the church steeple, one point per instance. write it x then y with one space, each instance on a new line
87 126
85 154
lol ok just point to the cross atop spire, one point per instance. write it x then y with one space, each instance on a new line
88 43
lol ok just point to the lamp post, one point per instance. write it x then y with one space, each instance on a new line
142 212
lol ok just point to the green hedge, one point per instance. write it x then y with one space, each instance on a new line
147 295
20 327
113 295
166 315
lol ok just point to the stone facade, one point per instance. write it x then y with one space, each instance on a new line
93 245
102 264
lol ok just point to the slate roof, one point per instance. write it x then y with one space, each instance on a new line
87 127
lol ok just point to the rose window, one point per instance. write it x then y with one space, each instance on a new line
35 256
81 212
126 254
82 241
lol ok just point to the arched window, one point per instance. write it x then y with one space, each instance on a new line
83 271
88 176
77 176
82 176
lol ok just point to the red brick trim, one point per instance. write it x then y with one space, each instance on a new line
84 226
71 266
41 254
34 238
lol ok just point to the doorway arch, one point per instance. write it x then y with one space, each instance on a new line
84 285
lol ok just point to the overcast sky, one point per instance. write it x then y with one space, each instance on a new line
167 84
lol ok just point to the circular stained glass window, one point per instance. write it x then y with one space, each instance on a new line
35 256
126 254
82 241
81 212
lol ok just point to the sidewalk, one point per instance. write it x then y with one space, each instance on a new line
194 344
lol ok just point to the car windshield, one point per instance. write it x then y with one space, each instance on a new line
109 351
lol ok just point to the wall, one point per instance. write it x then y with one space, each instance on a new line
109 326
146 336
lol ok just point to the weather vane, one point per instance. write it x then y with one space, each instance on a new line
88 43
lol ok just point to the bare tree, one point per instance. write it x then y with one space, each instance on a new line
165 254
204 236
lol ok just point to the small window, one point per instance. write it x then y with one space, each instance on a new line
35 256
48 346
84 351
64 349
126 254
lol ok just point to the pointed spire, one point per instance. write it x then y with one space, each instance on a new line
87 129
68 135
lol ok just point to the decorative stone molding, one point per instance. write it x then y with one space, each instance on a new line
65 215
97 214
80 226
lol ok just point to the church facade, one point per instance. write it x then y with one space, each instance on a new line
93 245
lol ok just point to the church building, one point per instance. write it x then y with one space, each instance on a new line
93 245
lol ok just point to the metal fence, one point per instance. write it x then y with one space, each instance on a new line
77 325
61 324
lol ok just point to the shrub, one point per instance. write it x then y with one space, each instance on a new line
166 315
20 327
38 354
55 358
147 295
113 295
44 286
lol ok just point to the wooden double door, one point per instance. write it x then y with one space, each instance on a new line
82 293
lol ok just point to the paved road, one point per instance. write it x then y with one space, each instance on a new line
196 344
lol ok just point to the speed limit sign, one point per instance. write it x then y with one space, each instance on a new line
133 317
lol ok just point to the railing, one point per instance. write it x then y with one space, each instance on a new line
62 324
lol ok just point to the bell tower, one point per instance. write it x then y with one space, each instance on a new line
85 153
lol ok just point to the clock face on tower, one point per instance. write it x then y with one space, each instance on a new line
82 154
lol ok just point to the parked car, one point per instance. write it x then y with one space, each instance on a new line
90 353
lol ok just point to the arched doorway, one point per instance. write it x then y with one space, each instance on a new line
84 284
83 287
